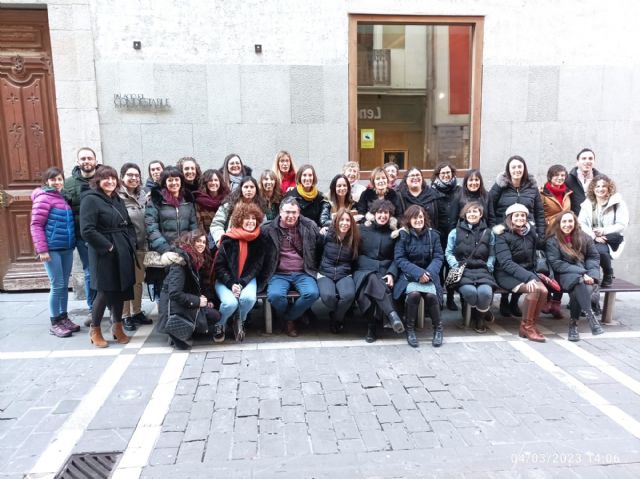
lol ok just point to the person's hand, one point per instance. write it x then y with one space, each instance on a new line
598 231
531 286
203 301
323 230
588 279
44 257
424 278
210 305
110 249
236 289
388 279
600 239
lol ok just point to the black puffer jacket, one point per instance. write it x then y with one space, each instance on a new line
428 199
105 223
515 257
575 185
165 223
468 238
461 199
180 292
337 258
503 194
74 186
309 209
369 195
569 270
375 253
226 264
445 202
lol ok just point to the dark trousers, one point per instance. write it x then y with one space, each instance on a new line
338 296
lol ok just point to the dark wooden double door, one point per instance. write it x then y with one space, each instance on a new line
29 139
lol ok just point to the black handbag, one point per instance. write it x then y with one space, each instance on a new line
614 240
455 274
178 325
542 265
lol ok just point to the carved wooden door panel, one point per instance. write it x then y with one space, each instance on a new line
29 139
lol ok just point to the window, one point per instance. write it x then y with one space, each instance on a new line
415 90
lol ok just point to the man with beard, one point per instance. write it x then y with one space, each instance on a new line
580 176
74 186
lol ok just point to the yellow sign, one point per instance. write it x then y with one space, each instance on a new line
367 138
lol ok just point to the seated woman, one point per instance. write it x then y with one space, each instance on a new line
418 254
515 271
604 216
378 189
473 243
339 198
335 280
238 262
182 294
307 195
376 270
576 263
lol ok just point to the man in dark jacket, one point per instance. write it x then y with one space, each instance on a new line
580 176
74 186
291 260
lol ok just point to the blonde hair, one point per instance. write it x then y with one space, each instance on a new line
276 164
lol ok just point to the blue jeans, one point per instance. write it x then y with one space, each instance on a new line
279 286
478 297
229 303
83 252
59 271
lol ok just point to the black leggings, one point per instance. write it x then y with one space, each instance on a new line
100 304
580 300
605 258
431 305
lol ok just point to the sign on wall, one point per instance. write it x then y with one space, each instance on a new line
367 138
137 101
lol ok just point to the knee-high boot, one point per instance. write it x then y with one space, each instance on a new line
371 335
411 316
434 311
527 325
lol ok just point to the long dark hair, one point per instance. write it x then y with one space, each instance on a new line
578 245
207 176
236 195
333 197
225 167
352 238
276 195
525 171
412 212
103 173
465 193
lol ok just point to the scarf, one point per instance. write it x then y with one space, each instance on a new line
243 237
568 239
207 202
557 191
288 181
445 187
172 200
309 196
197 260
522 231
234 181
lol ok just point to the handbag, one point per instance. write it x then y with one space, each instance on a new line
549 282
542 265
455 274
178 325
614 240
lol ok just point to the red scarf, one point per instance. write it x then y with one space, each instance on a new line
197 259
170 199
207 202
568 239
288 181
557 191
243 237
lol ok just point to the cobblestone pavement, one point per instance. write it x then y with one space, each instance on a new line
321 406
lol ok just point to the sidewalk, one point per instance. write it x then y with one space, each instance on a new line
321 406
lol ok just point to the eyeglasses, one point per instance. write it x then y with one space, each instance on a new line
132 175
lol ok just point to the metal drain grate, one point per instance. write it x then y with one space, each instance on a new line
89 466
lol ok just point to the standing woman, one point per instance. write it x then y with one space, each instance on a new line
335 280
135 199
376 271
233 170
604 216
212 193
471 242
516 241
285 170
516 185
271 194
307 195
556 198
53 234
472 189
238 263
106 227
339 198
378 189
414 191
576 263
419 257
191 171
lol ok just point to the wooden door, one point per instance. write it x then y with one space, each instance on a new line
29 139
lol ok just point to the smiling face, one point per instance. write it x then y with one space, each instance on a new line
268 183
87 162
234 166
473 216
382 217
344 224
392 173
567 224
155 170
519 219
341 188
108 185
306 179
414 180
131 179
516 170
473 183
213 185
559 178
284 164
445 174
57 182
189 171
249 223
601 190
200 244
585 162
352 174
248 190
380 182
417 222
173 185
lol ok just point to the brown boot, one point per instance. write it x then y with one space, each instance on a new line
118 333
554 308
96 338
529 317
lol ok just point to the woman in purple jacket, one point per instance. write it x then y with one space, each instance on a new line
53 234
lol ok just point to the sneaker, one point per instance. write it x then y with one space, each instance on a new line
141 318
57 329
129 324
218 333
68 324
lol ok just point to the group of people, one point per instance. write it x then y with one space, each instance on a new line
211 240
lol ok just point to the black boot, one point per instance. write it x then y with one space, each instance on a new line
129 324
436 342
573 334
451 304
596 328
411 314
607 280
371 331
396 322
477 320
505 310
513 305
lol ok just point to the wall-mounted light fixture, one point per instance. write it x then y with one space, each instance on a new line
258 48
137 45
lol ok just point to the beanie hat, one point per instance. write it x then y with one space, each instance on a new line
516 207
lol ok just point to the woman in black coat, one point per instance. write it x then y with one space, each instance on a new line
472 243
238 262
472 189
418 255
576 263
413 190
516 185
516 243
379 189
376 270
182 293
111 237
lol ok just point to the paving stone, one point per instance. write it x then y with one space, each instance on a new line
208 379
187 386
414 421
50 423
369 380
271 445
292 414
375 441
378 396
348 377
247 406
445 400
403 401
248 389
323 441
163 456
424 439
358 404
270 409
398 436
218 447
296 440
291 397
387 414
410 381
245 429
351 445
197 430
504 417
66 406
473 437
309 388
228 385
331 383
269 392
232 357
192 372
346 429
354 389
205 393
225 401
393 386
433 384
367 422
212 364
447 434
169 440
190 452
315 402
270 426
175 421
318 420
181 404
420 394
339 413
201 410
229 371
337 398
222 421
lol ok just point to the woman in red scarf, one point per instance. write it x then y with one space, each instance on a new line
237 264
556 198
285 170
